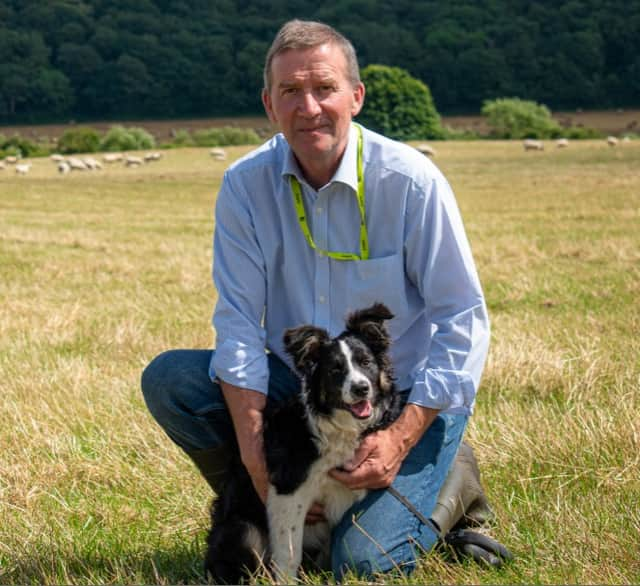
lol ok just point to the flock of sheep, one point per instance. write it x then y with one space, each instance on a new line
67 164
530 144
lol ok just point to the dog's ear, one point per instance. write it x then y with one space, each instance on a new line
303 345
368 323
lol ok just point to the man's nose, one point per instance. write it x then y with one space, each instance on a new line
309 105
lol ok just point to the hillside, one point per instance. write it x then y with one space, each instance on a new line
99 59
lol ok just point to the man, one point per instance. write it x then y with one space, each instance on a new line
325 218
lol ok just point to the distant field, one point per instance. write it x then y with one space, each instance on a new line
616 122
610 122
101 271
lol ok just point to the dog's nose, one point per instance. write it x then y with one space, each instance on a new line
360 389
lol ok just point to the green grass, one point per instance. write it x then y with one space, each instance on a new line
101 271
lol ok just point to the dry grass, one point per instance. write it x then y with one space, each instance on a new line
102 271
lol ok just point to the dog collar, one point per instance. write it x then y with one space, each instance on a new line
302 216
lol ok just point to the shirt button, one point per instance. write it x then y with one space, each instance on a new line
319 210
322 298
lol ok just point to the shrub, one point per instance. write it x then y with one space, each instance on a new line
79 140
450 133
119 138
179 138
225 136
20 147
398 105
578 132
516 118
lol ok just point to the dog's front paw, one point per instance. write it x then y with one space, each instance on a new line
284 572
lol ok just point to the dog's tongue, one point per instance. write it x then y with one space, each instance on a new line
361 409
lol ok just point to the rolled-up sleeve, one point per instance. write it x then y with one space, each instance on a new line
440 264
239 278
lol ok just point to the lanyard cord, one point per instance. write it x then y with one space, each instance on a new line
302 216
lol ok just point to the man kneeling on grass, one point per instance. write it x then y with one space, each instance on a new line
325 218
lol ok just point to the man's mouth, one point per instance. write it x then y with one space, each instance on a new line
317 128
361 409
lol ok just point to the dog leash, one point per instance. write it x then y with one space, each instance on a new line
464 542
407 503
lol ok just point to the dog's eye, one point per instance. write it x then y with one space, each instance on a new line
365 361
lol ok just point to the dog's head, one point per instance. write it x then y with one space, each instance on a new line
351 371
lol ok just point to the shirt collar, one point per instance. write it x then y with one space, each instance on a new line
346 172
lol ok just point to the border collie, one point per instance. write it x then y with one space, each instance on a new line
347 392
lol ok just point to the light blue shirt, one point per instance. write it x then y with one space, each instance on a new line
268 278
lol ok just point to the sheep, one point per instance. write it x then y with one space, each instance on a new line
2 165
112 157
91 163
63 167
11 160
56 158
152 157
533 145
562 143
77 164
612 141
426 150
131 161
23 168
218 154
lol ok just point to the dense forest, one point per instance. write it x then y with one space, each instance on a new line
88 59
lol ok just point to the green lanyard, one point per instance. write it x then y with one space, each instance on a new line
302 217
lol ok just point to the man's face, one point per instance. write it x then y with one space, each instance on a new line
313 101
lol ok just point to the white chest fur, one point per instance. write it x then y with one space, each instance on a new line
338 439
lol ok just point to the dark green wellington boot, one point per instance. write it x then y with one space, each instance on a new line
462 503
212 464
462 499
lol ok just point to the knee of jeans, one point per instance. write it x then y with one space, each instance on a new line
155 383
356 556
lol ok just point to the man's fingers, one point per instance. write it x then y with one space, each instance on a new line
361 454
315 514
370 474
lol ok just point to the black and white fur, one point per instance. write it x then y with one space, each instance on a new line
347 392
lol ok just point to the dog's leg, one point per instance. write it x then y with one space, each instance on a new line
286 514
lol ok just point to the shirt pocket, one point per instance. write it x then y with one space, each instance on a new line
376 280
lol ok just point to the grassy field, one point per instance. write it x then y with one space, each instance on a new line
101 271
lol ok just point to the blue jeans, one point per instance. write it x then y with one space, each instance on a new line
378 533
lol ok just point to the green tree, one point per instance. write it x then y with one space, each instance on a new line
79 140
51 92
516 118
398 105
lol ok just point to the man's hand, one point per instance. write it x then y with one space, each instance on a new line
375 463
377 460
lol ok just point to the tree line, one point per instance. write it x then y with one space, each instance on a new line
115 59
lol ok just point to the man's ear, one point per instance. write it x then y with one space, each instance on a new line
303 345
268 106
358 98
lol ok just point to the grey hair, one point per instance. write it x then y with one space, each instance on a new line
308 34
